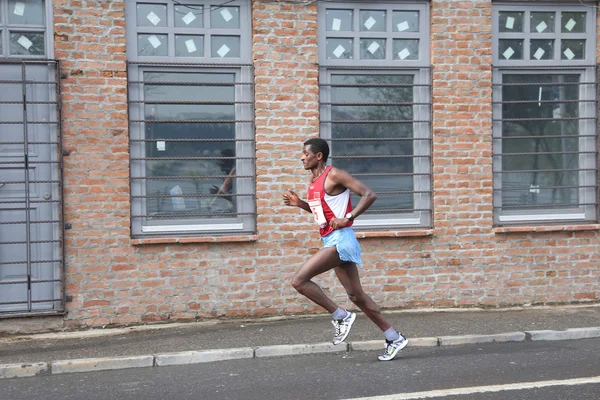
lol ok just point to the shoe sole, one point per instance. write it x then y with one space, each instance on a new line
352 319
395 351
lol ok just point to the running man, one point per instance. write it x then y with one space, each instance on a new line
329 201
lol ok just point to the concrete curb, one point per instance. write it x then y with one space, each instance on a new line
23 370
569 334
377 345
478 339
100 364
197 357
204 356
297 349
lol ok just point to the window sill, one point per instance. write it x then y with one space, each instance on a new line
558 228
185 240
385 234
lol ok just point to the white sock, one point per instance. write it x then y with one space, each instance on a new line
340 313
391 334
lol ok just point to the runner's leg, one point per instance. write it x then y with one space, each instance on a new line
347 273
323 261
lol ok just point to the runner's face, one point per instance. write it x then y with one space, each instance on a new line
309 159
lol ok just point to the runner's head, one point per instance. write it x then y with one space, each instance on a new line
315 150
226 164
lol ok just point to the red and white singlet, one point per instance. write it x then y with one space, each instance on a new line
326 207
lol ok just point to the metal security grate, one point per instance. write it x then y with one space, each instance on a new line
192 148
545 145
32 274
378 123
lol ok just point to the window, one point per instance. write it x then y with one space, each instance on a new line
545 114
23 29
375 89
191 131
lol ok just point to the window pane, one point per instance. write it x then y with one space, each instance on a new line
406 49
152 45
344 132
151 14
511 21
189 17
339 48
542 22
525 180
188 180
573 22
225 17
405 21
225 46
339 20
372 49
572 49
542 49
372 21
510 49
22 12
27 43
189 46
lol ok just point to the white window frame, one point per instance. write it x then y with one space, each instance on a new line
421 216
245 222
587 210
47 29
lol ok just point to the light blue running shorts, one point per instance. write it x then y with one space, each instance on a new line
347 246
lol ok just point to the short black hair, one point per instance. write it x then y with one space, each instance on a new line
226 164
318 145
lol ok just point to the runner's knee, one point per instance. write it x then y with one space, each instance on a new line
298 282
356 297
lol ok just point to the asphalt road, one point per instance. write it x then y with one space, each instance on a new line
462 372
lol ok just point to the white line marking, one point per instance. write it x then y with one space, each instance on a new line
482 389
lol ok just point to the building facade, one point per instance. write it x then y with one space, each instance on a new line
145 146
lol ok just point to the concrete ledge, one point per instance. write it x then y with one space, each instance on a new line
386 234
569 334
369 345
477 339
584 333
423 342
550 228
100 364
197 357
22 370
296 349
207 239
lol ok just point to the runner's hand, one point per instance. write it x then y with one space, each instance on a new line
339 223
291 198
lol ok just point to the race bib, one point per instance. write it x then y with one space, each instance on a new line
317 209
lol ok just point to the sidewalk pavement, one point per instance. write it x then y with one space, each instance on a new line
185 343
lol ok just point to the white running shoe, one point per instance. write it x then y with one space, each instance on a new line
392 348
342 327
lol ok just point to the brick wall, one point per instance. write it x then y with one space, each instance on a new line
287 112
464 246
466 262
90 42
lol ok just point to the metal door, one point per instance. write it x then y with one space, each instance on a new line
30 188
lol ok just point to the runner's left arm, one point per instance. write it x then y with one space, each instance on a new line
367 196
